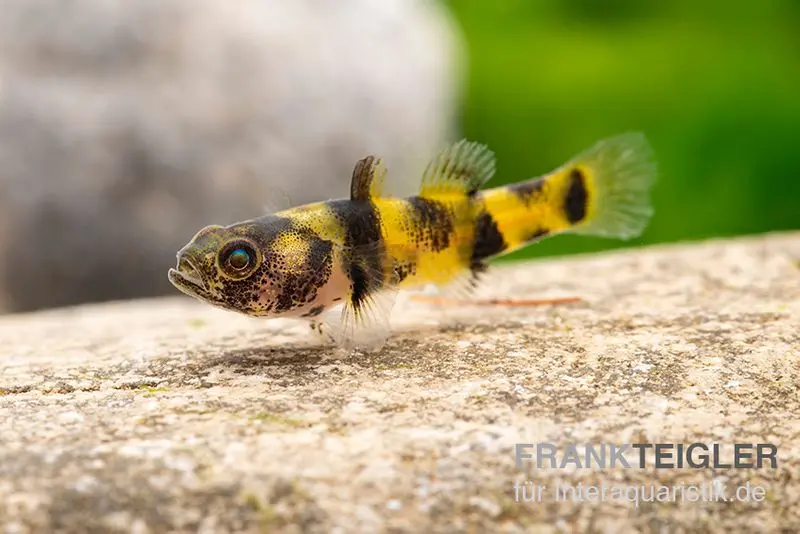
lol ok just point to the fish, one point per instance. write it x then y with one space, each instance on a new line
339 264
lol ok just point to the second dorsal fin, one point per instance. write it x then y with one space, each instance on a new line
368 176
462 167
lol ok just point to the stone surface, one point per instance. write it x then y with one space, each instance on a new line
164 414
125 127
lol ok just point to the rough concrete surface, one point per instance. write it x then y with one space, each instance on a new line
166 414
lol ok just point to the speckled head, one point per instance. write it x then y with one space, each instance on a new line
264 267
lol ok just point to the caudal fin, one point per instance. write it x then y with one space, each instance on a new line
608 187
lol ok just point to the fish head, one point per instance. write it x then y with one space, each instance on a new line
258 268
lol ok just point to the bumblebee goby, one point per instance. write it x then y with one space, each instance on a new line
345 259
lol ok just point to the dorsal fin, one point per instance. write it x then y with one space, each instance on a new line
462 167
368 176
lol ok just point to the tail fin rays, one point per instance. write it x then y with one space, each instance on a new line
614 200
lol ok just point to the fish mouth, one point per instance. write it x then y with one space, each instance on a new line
187 279
188 284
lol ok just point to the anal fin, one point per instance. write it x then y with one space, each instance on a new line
463 285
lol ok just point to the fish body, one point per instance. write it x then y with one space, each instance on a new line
353 254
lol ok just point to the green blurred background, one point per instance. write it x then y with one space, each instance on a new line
715 86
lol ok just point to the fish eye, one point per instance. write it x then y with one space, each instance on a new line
238 258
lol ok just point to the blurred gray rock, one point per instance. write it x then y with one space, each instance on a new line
127 126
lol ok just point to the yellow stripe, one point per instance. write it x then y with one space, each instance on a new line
319 219
521 218
401 231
